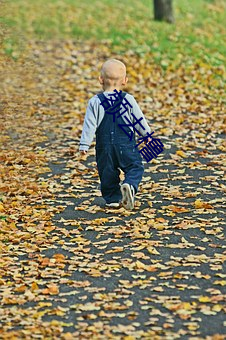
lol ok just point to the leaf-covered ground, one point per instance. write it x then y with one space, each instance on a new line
69 268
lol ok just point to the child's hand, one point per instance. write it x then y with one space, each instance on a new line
148 140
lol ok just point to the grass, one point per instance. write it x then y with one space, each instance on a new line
197 33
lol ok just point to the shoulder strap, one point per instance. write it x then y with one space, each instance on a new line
102 97
118 102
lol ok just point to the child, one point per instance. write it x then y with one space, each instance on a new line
115 140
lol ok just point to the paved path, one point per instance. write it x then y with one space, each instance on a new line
153 273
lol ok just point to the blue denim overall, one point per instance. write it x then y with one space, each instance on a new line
115 151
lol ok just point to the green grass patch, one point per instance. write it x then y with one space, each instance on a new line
199 29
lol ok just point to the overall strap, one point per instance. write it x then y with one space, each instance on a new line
118 101
101 96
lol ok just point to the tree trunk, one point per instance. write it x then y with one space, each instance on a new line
163 10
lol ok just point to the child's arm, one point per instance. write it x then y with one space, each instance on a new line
139 114
89 128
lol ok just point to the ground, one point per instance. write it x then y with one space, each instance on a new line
72 269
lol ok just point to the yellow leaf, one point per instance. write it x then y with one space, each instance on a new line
1 208
204 299
38 315
153 251
12 225
21 289
100 221
59 257
34 286
53 289
222 282
115 250
140 265
161 226
192 326
181 153
187 305
67 336
44 304
158 289
217 308
78 239
202 205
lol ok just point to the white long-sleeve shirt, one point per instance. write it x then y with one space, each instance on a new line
95 113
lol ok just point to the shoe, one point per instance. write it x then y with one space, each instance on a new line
128 194
113 205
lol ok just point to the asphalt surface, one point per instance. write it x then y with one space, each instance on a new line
183 296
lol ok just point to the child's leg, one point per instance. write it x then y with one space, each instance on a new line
131 163
107 166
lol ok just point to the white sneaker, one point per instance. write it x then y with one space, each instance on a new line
128 194
112 205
